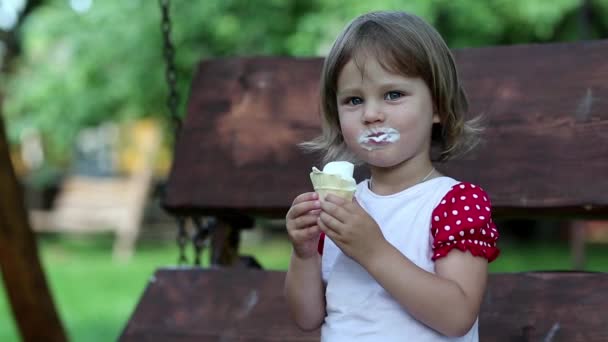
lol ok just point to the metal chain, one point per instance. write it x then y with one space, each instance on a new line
170 71
203 229
172 104
182 240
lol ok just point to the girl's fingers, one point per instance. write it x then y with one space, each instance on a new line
354 205
322 225
330 222
335 199
302 208
305 221
305 233
328 231
336 211
307 196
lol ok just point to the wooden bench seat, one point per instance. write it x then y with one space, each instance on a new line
248 305
544 154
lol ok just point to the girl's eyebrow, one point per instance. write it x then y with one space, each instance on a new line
354 90
390 85
382 86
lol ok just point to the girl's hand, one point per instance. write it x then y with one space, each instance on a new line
350 228
301 223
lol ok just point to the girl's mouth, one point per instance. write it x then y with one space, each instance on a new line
378 138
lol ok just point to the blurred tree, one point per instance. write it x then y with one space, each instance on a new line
462 23
80 69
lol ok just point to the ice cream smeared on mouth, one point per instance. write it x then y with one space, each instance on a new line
375 138
336 178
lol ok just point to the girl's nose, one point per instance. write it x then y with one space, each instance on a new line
373 114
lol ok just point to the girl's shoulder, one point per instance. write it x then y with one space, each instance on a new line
463 220
463 194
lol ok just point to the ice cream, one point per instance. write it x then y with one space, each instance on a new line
336 178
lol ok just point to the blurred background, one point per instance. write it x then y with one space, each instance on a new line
83 92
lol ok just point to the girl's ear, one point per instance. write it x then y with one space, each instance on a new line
436 118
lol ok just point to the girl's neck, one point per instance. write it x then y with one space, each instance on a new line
388 181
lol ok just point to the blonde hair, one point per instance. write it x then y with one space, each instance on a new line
405 44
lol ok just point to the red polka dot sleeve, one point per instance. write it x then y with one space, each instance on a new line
321 243
463 220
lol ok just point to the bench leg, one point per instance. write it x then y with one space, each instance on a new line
225 242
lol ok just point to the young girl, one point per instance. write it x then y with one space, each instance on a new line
407 259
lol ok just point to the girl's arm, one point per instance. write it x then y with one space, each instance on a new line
303 285
305 292
447 301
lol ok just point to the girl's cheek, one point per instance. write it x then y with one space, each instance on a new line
346 129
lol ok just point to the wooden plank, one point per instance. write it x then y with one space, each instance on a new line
245 117
546 109
214 305
545 106
248 305
545 306
24 280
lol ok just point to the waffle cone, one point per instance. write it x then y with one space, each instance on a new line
325 183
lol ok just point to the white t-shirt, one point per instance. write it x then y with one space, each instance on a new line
358 308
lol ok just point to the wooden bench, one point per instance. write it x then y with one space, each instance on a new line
87 204
545 155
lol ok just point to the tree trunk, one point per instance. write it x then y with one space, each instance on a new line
24 280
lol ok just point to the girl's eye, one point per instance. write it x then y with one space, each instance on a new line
392 95
354 101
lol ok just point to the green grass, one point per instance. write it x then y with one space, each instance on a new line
520 257
95 295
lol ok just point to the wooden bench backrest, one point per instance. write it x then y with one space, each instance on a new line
545 148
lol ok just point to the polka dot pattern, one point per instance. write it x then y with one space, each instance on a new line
469 227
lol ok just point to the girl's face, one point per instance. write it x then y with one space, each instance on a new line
386 118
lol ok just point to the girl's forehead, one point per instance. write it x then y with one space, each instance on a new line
377 58
369 69
362 68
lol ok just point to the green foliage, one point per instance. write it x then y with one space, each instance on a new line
318 28
78 70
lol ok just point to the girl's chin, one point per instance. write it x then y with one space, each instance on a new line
379 159
383 164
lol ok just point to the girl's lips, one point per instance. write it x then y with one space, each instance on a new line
371 145
378 138
377 142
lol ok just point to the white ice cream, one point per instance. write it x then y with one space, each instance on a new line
343 169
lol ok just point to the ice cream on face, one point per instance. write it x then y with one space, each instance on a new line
377 138
336 178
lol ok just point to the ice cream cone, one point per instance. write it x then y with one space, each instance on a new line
339 183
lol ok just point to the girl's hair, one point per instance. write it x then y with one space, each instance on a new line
405 44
